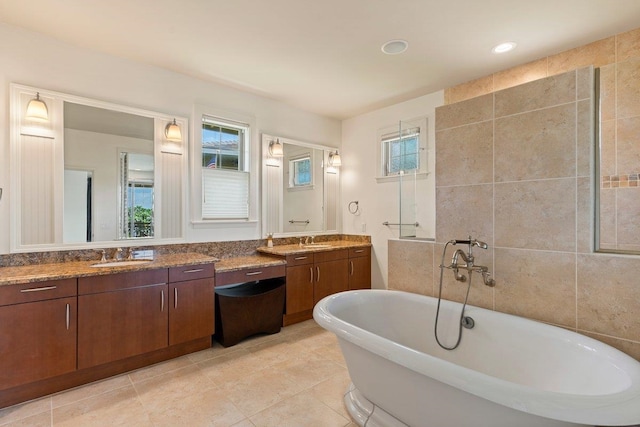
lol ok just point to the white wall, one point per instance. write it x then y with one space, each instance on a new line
36 60
379 202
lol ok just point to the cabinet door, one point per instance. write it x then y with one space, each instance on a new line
331 277
300 283
360 273
191 310
116 325
37 341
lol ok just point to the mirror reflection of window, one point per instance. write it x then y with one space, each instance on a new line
300 173
136 206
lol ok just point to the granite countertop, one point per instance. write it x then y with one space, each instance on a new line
284 250
240 263
64 270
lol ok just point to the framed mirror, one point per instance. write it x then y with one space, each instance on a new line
300 188
94 174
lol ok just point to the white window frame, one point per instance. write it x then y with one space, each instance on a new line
391 133
247 158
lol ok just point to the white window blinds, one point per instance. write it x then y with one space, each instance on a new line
225 194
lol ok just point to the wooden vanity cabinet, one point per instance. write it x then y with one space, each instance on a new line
331 273
359 268
191 303
37 331
121 315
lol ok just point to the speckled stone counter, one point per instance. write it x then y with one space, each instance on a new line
63 270
241 263
284 250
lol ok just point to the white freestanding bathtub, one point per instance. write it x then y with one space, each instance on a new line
507 372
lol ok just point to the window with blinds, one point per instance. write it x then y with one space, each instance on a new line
401 152
225 176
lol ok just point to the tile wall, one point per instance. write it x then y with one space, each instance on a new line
513 169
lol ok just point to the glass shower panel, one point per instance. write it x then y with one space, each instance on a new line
408 224
409 157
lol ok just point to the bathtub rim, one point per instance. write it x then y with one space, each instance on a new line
619 408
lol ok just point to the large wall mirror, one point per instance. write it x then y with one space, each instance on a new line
618 159
299 189
94 174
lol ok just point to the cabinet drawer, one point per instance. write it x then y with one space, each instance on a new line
331 255
114 282
37 291
299 259
249 275
191 272
358 252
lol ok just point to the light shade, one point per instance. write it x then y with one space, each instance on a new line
276 149
37 109
334 159
172 132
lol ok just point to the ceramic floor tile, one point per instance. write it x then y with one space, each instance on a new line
160 369
244 423
39 420
24 410
289 413
173 385
231 367
331 392
119 407
89 390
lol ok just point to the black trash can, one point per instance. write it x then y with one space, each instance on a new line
249 308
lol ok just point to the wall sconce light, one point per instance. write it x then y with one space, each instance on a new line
276 149
334 159
172 132
37 109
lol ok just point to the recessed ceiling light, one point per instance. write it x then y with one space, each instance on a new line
394 47
504 47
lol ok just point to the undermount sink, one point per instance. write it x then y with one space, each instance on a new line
122 263
317 246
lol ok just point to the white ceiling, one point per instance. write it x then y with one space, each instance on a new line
324 56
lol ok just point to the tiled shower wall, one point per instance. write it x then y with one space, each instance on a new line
513 169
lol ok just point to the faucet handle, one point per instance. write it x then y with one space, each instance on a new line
130 253
104 255
116 254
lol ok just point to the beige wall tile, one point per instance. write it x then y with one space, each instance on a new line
411 266
608 295
628 209
628 45
538 94
586 84
586 135
536 144
608 238
628 145
464 211
599 53
536 215
465 154
585 216
607 92
480 295
521 74
628 88
464 113
632 348
537 284
472 89
608 147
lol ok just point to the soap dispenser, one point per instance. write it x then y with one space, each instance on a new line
270 240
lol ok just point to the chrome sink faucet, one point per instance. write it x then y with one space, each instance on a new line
117 254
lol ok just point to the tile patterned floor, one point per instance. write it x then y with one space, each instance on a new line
292 379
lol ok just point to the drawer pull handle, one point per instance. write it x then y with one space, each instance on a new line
68 316
299 258
359 251
351 262
254 273
195 270
310 274
162 300
318 271
175 297
44 288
